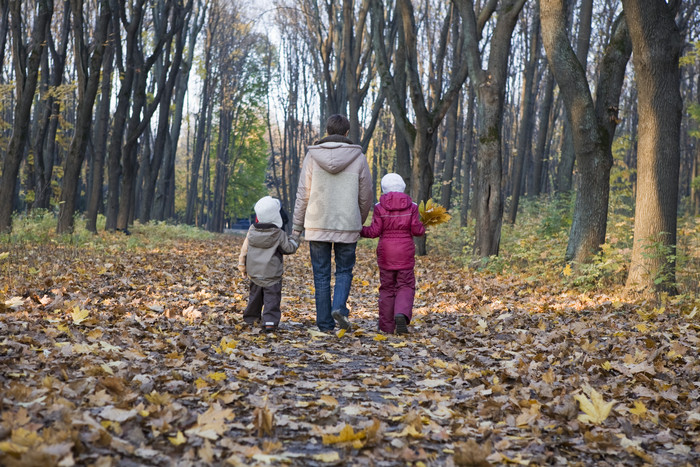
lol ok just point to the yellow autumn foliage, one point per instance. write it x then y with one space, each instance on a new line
432 213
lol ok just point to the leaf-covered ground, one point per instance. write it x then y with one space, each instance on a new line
129 356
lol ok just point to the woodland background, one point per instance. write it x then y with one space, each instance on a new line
556 312
188 111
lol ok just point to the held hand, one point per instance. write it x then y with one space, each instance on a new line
242 269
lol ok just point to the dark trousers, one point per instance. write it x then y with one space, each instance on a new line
266 300
396 292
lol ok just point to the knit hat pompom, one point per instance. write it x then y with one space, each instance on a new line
267 210
393 182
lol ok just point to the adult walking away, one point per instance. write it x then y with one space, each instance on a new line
334 197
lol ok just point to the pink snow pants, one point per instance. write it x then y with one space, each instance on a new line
396 291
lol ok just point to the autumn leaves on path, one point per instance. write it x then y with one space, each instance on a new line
121 356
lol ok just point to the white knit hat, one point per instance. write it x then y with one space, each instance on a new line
393 182
267 210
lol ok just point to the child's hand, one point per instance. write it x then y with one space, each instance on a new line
242 269
296 238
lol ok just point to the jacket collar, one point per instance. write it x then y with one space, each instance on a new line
334 139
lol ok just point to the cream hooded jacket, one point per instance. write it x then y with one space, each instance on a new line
335 192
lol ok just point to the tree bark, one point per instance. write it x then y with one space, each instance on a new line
540 153
172 69
88 83
592 127
423 135
27 59
526 118
490 90
657 43
127 68
101 136
203 121
468 157
568 153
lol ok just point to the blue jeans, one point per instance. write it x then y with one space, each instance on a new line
321 264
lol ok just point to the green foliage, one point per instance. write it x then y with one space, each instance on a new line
692 56
247 182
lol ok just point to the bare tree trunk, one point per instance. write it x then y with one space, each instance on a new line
172 70
526 118
468 158
657 44
568 153
88 83
592 126
453 115
490 85
27 59
422 135
127 70
100 136
203 122
540 153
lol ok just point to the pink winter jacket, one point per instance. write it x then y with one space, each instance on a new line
335 192
395 221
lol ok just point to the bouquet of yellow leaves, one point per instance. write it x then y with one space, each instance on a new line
432 213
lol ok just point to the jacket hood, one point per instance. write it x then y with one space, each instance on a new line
395 201
263 235
334 153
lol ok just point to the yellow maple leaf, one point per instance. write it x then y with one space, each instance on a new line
432 213
341 333
639 409
327 457
346 435
596 410
218 376
200 383
606 365
79 315
226 346
178 440
567 270
379 337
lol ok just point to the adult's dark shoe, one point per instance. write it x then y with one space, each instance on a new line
341 320
401 324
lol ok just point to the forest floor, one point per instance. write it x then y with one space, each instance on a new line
133 352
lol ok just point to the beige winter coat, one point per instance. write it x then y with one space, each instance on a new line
335 192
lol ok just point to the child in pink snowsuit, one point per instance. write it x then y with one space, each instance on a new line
395 221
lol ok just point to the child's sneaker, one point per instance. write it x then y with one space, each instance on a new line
401 324
341 320
269 327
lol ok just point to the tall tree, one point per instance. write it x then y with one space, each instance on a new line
88 67
167 23
490 85
170 66
204 117
27 59
45 139
656 42
100 134
127 69
592 123
421 135
526 117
